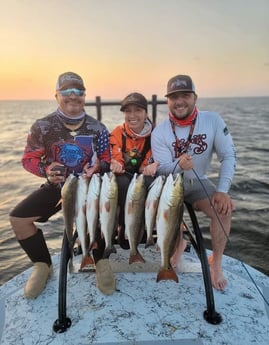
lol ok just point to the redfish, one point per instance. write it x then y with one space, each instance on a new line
169 218
81 222
108 204
151 207
134 215
92 207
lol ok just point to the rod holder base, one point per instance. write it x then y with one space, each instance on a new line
61 326
213 318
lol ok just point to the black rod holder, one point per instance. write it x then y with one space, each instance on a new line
210 315
63 322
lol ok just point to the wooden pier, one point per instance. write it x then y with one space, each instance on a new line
99 104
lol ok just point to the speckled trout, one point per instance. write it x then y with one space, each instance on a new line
134 215
168 220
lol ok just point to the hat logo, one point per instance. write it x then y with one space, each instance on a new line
133 98
70 78
179 83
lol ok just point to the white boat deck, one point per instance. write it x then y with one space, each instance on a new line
141 311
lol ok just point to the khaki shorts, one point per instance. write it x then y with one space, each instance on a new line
195 190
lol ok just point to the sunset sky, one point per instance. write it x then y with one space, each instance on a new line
120 46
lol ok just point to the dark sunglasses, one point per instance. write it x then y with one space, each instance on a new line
68 92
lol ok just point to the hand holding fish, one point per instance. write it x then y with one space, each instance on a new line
90 170
116 167
55 173
222 203
150 170
185 162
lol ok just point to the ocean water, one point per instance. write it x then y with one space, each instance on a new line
248 122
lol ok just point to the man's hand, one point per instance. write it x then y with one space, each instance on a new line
150 170
222 203
90 170
116 167
185 162
55 175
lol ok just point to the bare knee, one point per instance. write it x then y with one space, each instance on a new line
23 227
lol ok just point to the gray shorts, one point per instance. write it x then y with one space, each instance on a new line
198 189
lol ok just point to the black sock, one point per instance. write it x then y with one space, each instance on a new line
36 248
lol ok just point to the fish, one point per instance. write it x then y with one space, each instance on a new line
168 220
134 214
81 222
92 207
151 206
108 204
68 194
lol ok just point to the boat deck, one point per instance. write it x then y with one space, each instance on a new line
141 311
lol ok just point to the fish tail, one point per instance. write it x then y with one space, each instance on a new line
71 266
137 257
86 261
109 251
150 242
93 245
167 274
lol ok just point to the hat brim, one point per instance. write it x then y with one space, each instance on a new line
181 90
72 85
135 103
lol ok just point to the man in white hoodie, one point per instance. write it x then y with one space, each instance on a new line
185 143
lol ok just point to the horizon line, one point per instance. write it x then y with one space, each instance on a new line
117 99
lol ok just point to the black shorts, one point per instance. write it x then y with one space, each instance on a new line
42 203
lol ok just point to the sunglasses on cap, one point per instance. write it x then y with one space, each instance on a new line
67 92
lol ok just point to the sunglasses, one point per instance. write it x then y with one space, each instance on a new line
68 92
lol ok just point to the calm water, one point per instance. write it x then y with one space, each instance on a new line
248 121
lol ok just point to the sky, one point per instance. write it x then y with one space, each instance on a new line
122 46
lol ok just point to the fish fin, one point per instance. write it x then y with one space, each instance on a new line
107 206
150 242
86 261
167 274
93 245
147 204
108 251
96 204
166 215
155 203
136 258
130 206
84 209
71 266
59 202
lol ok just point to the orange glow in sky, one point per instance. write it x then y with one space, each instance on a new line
122 46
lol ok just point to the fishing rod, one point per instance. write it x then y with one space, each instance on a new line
228 240
226 235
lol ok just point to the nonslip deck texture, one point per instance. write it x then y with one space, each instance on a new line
141 311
